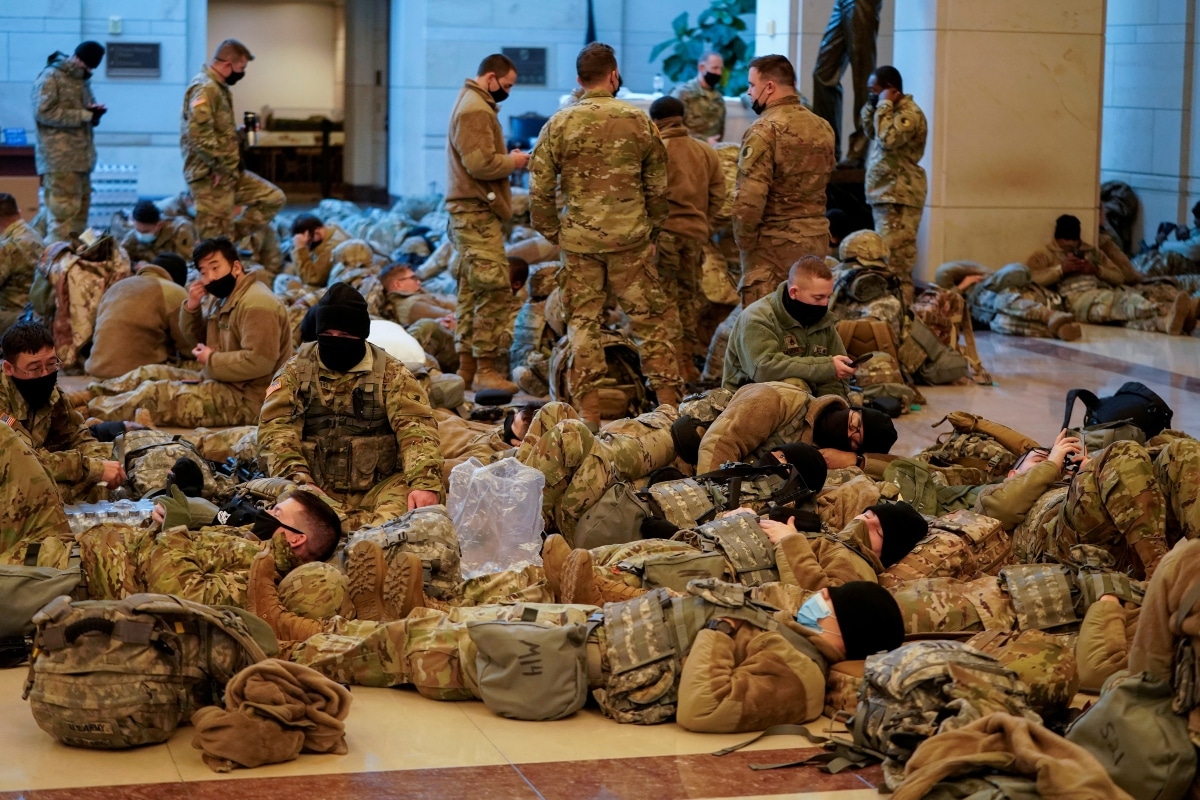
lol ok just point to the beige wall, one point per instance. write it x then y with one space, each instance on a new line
298 48
1012 91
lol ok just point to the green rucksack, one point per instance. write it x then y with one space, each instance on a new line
113 674
148 456
976 450
616 518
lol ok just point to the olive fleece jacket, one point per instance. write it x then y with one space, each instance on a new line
1010 500
826 561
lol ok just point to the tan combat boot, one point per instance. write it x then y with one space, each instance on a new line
612 590
578 580
554 555
1063 326
487 377
589 409
466 368
263 599
384 586
1177 317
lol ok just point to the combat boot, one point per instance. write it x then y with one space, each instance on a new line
384 586
1063 326
263 599
1177 316
466 368
486 377
614 591
404 585
578 580
589 410
554 554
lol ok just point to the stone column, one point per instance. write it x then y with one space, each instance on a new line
1013 94
366 100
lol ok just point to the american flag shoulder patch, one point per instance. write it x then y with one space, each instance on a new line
8 419
275 386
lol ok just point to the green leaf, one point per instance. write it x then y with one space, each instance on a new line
680 25
678 68
658 48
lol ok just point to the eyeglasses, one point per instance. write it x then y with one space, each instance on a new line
38 370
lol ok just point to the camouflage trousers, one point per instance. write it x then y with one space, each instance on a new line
1162 295
384 502
768 263
486 304
1121 304
579 465
1016 312
585 280
261 201
1115 503
679 262
1177 469
948 605
68 196
430 650
714 364
897 225
174 396
437 342
32 510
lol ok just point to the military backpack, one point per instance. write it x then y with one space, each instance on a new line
429 533
623 389
113 674
976 450
149 455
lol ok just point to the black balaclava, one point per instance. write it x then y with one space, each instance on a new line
830 429
342 308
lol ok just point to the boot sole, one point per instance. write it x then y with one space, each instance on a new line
366 568
577 579
404 584
1069 332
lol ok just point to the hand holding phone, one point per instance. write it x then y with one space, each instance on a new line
861 360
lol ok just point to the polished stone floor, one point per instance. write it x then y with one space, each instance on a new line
404 746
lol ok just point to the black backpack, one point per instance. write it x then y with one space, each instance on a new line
1134 402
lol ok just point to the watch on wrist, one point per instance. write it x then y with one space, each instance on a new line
721 626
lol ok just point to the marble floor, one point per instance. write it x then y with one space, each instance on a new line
403 746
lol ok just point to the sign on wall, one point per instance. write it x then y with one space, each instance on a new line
133 60
531 64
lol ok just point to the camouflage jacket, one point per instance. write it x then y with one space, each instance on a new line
61 96
248 330
695 183
405 309
1046 265
314 266
825 561
281 424
897 131
768 344
208 133
177 235
1011 500
477 161
783 167
611 167
20 249
55 432
703 109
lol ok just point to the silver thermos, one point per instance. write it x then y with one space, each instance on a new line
250 120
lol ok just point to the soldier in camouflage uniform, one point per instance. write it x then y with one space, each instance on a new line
612 170
66 111
20 249
1008 301
32 405
313 243
784 165
32 510
240 336
861 286
479 201
404 301
152 234
895 182
533 337
212 162
703 102
1093 285
347 418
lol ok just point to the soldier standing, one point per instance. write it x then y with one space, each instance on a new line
66 111
785 163
212 163
895 182
480 203
20 249
703 103
152 234
344 416
612 167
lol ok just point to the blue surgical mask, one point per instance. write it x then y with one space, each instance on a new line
144 238
814 609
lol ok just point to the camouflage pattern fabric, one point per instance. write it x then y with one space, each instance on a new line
67 287
841 688
941 554
1042 595
1177 470
743 543
703 109
260 200
20 249
68 198
176 235
679 260
436 341
945 313
317 591
486 305
898 224
887 308
706 406
976 450
1046 667
32 510
1092 300
177 396
897 131
946 605
1030 537
634 280
66 151
764 267
428 533
714 363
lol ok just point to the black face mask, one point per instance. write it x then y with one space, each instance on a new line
87 73
872 99
500 95
620 82
264 526
806 314
222 287
831 429
340 353
36 391
712 79
234 77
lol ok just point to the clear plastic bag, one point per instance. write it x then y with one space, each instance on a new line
84 516
497 511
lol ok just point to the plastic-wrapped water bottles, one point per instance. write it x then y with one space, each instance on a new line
83 516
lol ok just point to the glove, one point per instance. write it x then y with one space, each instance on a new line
97 113
190 512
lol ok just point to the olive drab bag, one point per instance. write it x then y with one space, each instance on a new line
924 688
114 674
429 533
148 456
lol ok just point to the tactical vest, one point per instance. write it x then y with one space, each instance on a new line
349 448
528 331
648 637
742 541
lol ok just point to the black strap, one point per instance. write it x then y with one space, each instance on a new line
1090 401
840 754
